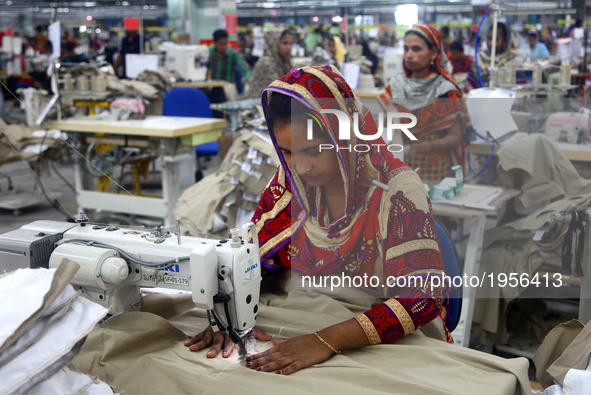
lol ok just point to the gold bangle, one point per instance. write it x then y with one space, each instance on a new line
326 344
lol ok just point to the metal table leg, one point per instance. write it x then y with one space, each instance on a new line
461 334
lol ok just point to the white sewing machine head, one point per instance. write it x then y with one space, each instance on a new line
569 127
223 275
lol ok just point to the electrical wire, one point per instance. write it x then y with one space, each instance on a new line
492 149
476 47
494 142
60 175
98 244
53 203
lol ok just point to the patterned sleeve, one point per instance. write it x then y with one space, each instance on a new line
272 219
411 258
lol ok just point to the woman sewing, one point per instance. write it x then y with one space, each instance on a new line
328 213
427 90
506 52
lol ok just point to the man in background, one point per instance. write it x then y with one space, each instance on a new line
313 39
70 55
41 39
130 44
223 60
537 49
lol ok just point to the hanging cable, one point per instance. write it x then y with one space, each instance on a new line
60 175
476 47
492 149
572 256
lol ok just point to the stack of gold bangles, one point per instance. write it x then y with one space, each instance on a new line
326 344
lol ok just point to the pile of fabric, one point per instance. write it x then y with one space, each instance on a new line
562 362
228 198
43 324
140 352
20 141
548 183
149 85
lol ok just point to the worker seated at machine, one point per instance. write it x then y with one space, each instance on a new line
334 233
70 55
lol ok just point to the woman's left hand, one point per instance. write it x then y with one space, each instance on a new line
290 355
422 148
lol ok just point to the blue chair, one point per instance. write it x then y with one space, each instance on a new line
238 78
450 257
191 102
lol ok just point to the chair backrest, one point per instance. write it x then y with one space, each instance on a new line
238 78
450 257
186 102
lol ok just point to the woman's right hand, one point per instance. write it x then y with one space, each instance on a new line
218 340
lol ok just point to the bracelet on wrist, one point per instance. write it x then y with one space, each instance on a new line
331 348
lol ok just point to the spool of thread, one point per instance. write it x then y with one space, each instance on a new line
68 82
101 83
501 76
511 79
93 83
82 83
537 74
564 74
366 83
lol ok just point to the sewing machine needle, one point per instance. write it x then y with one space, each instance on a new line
242 347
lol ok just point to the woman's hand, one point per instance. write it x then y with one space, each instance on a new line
422 148
217 340
289 356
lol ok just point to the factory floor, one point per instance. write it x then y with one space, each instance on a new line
24 180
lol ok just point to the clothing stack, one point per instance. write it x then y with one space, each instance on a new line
23 142
548 183
228 198
43 324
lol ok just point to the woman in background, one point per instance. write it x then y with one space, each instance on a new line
506 52
429 92
275 62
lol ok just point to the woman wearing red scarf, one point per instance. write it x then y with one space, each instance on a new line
427 90
331 212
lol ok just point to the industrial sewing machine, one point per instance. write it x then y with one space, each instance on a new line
223 275
189 61
569 127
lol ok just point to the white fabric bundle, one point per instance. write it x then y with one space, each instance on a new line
67 382
43 324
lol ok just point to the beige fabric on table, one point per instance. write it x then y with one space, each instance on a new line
18 136
576 356
566 347
540 169
61 278
199 204
143 353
